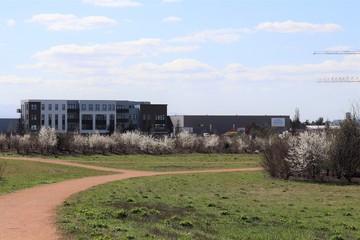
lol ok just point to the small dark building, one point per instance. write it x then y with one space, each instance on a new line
153 119
8 125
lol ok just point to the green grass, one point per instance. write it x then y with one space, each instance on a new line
241 205
175 162
24 174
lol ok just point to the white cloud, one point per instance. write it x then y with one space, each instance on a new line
12 79
339 48
305 72
291 27
11 22
174 49
223 35
61 22
92 59
171 1
171 19
113 3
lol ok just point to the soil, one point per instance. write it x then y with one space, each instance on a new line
30 214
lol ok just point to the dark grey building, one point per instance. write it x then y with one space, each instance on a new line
8 124
154 118
218 124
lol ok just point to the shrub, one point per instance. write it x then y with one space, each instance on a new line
2 170
81 143
275 153
2 141
25 143
309 153
345 154
47 139
100 142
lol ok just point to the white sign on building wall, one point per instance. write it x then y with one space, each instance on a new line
277 122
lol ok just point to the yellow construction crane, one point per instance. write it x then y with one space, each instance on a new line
338 79
343 52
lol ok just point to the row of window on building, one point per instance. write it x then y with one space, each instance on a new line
84 107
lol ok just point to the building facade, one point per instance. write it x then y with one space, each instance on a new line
8 125
154 118
86 116
217 124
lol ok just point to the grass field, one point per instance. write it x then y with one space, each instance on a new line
24 174
241 205
175 162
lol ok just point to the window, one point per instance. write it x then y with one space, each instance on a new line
50 106
63 107
56 121
109 107
160 117
42 106
27 106
91 107
42 119
112 117
33 106
83 107
56 107
50 120
63 122
73 106
27 117
87 117
33 127
120 116
97 107
33 117
87 122
120 106
101 117
104 107
159 126
133 116
73 116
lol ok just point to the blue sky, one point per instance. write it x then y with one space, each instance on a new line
199 57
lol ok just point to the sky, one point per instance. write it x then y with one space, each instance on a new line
215 57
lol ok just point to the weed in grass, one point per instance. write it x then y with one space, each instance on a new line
119 229
121 213
186 224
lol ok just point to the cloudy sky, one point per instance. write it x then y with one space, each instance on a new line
198 56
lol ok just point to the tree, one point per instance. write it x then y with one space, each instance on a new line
345 155
2 141
47 139
319 121
295 123
308 153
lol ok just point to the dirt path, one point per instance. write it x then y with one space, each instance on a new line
30 213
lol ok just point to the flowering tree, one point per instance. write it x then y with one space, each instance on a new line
25 143
2 141
100 142
308 153
47 139
186 141
81 143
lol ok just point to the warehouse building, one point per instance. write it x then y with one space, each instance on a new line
217 124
